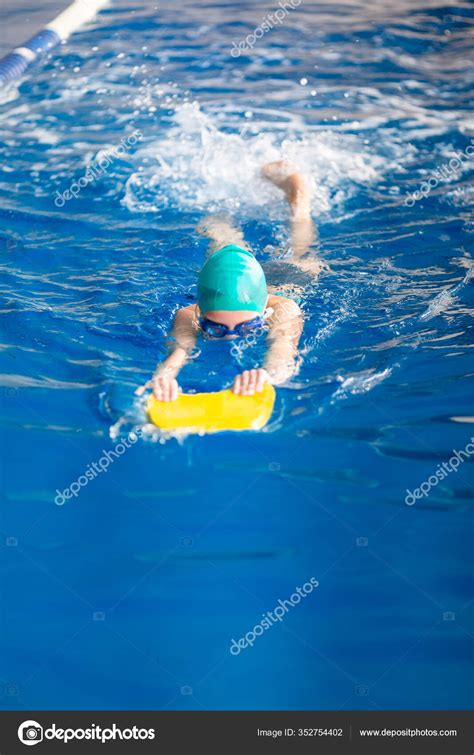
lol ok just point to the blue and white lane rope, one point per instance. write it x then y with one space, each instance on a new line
16 62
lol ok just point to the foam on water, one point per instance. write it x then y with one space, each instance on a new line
197 165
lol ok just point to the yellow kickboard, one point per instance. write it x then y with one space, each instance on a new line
213 412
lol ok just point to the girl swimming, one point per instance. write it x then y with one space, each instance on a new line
233 298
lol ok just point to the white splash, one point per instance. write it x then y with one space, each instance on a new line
195 165
361 383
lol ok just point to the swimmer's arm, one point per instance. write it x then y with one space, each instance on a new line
283 338
280 362
182 341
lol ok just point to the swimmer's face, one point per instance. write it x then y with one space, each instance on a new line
231 319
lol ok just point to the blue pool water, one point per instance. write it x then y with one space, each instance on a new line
129 595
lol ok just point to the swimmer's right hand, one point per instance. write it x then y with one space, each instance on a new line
165 388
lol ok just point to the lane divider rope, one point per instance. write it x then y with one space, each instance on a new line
76 15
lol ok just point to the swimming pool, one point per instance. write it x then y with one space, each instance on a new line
129 595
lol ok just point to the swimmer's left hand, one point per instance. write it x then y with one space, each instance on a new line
250 382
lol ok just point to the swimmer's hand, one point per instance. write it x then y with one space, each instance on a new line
164 387
250 381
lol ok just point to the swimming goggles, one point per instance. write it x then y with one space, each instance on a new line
219 330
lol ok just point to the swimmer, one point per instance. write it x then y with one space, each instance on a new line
234 301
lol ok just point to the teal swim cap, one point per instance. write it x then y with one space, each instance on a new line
232 279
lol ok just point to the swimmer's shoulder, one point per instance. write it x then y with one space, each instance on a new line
185 317
284 305
185 313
